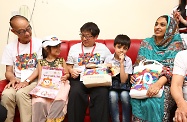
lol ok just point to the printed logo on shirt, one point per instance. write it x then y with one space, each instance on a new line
86 58
25 62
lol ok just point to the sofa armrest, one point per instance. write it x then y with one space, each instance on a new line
3 83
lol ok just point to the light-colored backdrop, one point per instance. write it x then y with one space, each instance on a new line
63 18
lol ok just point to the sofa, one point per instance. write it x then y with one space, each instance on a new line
65 46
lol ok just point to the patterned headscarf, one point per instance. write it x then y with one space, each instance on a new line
165 51
170 31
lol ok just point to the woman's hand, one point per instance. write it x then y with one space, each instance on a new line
153 90
176 15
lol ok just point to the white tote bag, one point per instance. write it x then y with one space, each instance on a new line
146 73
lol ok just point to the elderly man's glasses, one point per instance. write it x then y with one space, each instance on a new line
23 31
85 36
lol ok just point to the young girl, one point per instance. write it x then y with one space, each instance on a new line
45 109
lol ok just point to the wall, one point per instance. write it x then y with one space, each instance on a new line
63 18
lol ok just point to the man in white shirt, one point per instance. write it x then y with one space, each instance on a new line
88 51
20 58
179 86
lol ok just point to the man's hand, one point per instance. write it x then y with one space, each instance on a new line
21 85
12 83
75 73
181 112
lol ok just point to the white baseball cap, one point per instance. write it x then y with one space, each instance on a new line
50 41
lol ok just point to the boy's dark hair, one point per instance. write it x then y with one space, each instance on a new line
90 27
122 40
15 17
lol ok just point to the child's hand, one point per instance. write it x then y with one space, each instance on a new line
121 57
34 96
132 81
64 78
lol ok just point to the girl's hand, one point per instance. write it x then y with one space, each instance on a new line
34 96
64 78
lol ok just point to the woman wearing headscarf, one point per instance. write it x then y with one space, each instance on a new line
162 47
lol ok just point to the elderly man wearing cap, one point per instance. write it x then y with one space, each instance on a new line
20 58
51 106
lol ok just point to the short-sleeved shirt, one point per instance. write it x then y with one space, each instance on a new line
116 82
180 64
18 55
79 55
127 63
55 63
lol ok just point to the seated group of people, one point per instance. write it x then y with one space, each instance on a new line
26 57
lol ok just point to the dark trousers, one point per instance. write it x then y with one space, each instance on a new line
3 113
79 101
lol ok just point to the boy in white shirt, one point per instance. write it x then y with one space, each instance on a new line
122 66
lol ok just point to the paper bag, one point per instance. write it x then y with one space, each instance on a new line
97 77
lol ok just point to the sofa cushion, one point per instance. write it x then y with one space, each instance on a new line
3 83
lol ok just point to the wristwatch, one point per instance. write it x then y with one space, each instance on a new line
27 80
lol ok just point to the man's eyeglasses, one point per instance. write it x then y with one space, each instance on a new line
23 31
85 36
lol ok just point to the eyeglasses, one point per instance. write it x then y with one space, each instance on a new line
85 36
23 31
